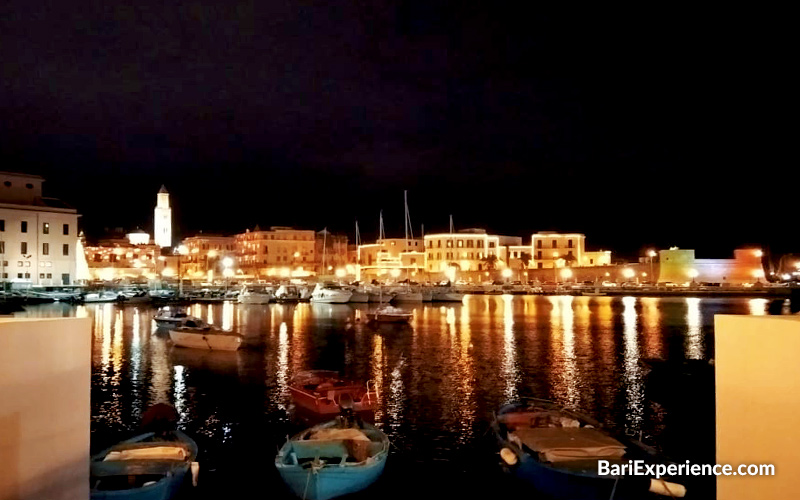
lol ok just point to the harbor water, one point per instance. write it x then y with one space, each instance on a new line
438 379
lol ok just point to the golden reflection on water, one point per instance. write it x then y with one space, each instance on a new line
651 328
758 307
376 368
179 394
283 365
631 368
136 349
227 315
509 363
694 334
561 323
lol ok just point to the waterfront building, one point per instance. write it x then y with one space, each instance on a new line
130 256
392 258
281 252
162 225
38 235
331 252
468 254
206 256
551 249
680 266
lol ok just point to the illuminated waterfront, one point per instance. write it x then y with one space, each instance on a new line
438 379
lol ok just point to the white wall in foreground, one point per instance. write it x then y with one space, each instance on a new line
757 364
45 382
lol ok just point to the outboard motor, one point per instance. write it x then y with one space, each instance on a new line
346 406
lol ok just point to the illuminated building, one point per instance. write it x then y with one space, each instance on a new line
552 249
403 257
680 266
127 257
205 254
162 232
38 235
281 252
468 254
331 253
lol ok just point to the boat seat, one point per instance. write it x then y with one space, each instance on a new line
554 444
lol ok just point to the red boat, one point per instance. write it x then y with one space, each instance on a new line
324 392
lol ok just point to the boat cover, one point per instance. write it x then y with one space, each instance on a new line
343 434
149 453
556 444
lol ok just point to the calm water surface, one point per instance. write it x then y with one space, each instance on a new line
438 380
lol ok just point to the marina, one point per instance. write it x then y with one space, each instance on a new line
438 379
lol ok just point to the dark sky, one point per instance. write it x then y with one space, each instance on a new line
637 128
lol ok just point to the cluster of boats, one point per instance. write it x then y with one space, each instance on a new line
333 293
554 450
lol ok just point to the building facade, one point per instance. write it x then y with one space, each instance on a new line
206 257
38 235
552 249
130 258
391 258
281 252
332 254
469 254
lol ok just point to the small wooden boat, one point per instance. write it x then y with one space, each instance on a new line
332 459
198 334
389 314
147 467
558 451
324 392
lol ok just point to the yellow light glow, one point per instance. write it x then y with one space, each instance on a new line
758 253
212 254
507 273
628 272
227 262
651 253
395 273
692 273
566 273
758 273
341 273
296 255
168 272
183 250
227 272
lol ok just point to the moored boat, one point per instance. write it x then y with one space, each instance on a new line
253 294
324 392
196 333
287 293
558 452
333 459
171 316
330 294
447 294
148 466
389 314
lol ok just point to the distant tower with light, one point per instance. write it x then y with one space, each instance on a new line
162 229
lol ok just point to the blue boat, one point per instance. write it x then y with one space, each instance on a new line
151 466
333 459
557 452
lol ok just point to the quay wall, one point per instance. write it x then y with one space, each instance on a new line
45 382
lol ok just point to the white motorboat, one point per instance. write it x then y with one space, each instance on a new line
447 294
97 297
360 295
389 314
406 294
196 333
171 316
256 295
330 294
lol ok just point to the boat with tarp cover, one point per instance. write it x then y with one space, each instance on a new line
333 459
557 451
324 392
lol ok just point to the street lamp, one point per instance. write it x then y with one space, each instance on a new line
507 272
693 274
651 254
566 273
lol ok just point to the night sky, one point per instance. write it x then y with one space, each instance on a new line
637 128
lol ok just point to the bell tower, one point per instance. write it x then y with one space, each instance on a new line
162 227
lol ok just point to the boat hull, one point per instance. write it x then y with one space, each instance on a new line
325 406
207 341
256 298
408 297
331 482
172 475
448 297
359 298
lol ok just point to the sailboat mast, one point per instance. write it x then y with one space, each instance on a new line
324 249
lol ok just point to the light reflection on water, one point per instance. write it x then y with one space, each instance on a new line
438 379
